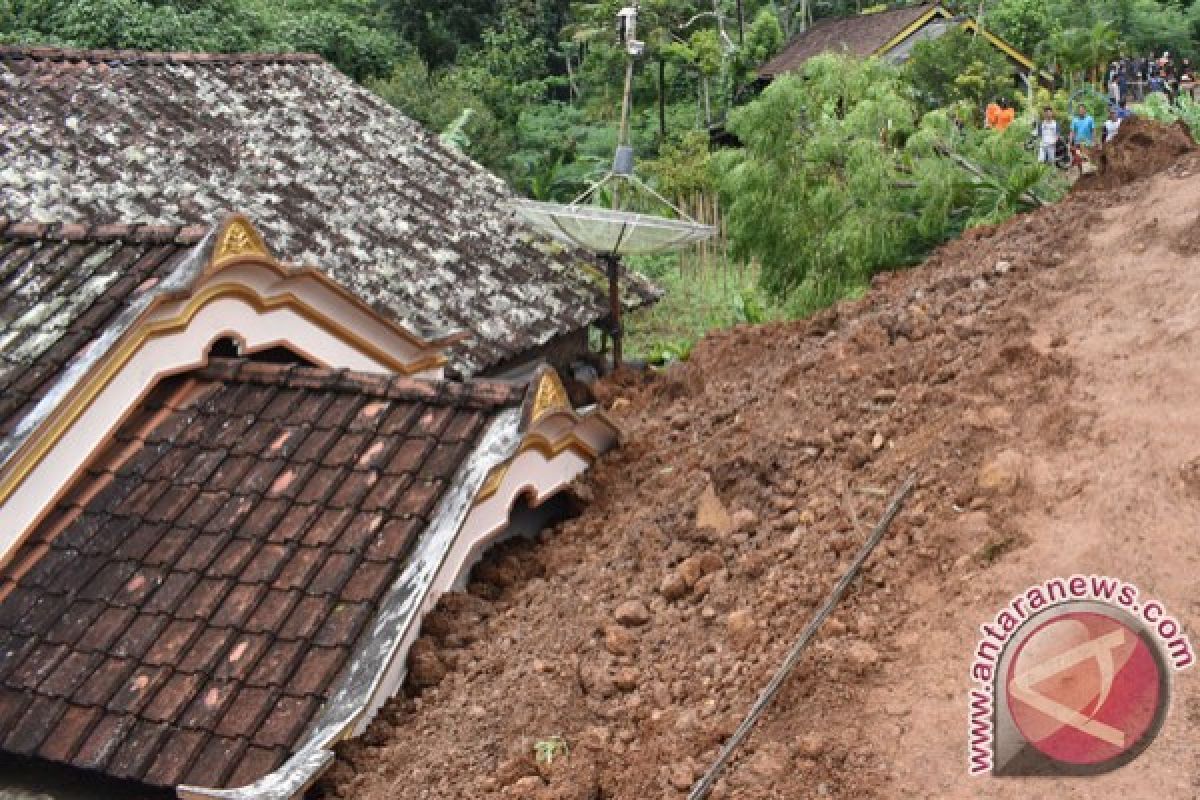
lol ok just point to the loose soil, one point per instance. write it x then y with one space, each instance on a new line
1037 377
1142 148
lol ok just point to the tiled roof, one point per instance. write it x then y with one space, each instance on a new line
332 175
859 36
61 287
183 612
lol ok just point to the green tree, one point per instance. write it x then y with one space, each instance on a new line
1024 24
347 32
1081 53
841 176
959 67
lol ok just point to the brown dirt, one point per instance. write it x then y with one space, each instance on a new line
1141 149
749 478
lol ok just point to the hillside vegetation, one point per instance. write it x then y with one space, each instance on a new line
847 170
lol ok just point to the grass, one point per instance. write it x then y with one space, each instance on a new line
717 296
546 750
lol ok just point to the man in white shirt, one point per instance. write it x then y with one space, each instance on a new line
1111 126
1049 131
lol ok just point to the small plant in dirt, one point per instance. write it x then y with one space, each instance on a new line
998 547
546 750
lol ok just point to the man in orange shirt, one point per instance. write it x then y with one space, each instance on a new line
999 117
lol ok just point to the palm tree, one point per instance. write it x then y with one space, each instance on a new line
1101 44
1080 53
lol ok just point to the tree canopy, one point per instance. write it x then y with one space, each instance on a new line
843 175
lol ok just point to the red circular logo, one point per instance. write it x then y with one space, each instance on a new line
1084 688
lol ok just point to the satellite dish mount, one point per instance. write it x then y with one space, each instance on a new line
613 233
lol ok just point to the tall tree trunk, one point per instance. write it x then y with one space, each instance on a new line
572 87
662 99
707 104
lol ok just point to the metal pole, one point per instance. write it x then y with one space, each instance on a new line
626 102
612 261
705 784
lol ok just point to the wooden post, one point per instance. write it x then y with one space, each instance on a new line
611 261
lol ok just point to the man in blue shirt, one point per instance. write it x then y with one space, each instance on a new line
1083 128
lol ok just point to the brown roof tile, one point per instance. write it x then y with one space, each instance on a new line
272 611
171 643
247 710
285 722
27 735
317 670
859 36
176 756
465 235
103 741
256 762
69 733
138 749
215 762
159 644
12 706
173 697
81 278
277 661
202 654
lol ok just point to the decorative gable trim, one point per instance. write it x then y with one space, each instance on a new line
968 24
921 22
230 287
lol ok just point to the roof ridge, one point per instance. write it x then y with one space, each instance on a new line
477 393
123 232
151 58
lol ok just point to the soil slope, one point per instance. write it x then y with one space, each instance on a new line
1036 376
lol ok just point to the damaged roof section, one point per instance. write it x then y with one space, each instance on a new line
332 175
186 609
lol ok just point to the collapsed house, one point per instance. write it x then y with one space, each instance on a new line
231 480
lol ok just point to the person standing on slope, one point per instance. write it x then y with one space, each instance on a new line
1083 128
1049 137
1112 126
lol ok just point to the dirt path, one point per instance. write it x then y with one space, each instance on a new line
1112 501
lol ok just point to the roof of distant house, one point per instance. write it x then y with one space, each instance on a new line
862 36
882 33
206 595
331 174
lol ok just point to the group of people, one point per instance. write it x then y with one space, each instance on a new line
1134 78
1082 131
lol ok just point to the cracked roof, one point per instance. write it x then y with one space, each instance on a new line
332 175
187 610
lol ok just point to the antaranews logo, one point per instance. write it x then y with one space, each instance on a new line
1073 677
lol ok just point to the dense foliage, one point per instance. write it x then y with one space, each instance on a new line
842 175
959 68
353 34
1086 33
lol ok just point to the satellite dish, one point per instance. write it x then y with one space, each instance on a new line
613 233
606 232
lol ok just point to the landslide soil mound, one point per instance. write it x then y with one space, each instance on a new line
628 643
1142 148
